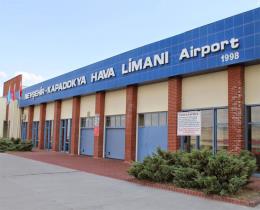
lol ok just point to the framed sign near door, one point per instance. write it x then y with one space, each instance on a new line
189 123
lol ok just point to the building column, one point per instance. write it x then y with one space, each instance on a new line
236 106
75 125
130 127
174 106
30 122
99 127
42 125
56 125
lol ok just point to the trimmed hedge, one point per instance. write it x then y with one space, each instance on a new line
222 174
13 144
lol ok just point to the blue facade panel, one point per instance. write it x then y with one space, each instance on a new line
149 139
115 143
87 141
245 27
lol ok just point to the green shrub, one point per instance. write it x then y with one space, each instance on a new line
221 174
186 177
16 140
14 145
25 146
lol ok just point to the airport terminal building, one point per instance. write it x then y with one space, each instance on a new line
126 106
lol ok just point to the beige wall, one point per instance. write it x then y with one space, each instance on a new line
202 91
252 84
66 109
152 97
50 111
14 119
36 113
25 114
115 102
2 115
87 106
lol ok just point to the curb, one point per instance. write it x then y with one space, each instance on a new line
243 202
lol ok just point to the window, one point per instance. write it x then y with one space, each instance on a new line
35 136
115 121
214 131
222 129
163 118
255 114
254 129
87 122
118 121
123 121
205 140
141 120
148 120
83 122
153 119
206 129
253 132
108 122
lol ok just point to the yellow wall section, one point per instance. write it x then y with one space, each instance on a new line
87 105
50 111
36 113
252 84
115 102
152 98
66 109
208 90
2 115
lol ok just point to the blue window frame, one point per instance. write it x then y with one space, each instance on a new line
48 138
24 131
65 135
35 133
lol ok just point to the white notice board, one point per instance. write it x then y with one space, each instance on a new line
189 123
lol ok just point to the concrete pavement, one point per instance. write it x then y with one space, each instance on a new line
31 185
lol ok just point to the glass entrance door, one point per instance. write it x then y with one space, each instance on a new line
65 135
35 134
253 132
48 135
214 132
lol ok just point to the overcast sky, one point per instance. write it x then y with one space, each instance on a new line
45 38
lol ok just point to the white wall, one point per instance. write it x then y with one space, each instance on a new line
203 91
87 106
152 97
36 113
252 84
66 109
50 111
14 118
115 102
2 114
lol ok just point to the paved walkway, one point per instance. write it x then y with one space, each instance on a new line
104 167
31 185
